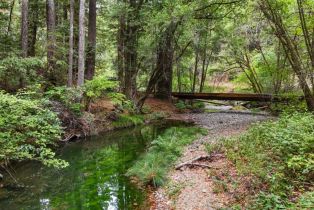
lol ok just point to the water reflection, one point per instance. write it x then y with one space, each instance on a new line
94 180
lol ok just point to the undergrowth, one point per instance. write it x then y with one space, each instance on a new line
279 155
125 120
152 167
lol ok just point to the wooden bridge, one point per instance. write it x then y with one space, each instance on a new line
230 96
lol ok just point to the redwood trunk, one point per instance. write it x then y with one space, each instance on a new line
51 39
24 27
165 54
91 45
81 44
70 67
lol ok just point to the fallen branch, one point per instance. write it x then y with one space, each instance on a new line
68 138
199 165
206 157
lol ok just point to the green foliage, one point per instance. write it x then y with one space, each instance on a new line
16 72
27 130
278 154
180 105
162 154
306 201
293 103
195 105
70 97
99 87
125 120
120 100
198 105
156 116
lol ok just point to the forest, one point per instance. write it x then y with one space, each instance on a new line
94 112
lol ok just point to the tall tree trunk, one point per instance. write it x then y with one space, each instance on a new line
10 17
306 34
203 75
195 75
51 39
290 47
91 45
120 51
165 54
24 27
81 44
75 40
33 25
70 64
130 55
130 37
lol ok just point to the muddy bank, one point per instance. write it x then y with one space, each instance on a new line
193 188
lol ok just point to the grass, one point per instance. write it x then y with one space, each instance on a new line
152 167
126 120
279 156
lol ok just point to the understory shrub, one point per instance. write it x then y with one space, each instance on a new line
279 155
17 72
98 87
152 167
27 131
69 97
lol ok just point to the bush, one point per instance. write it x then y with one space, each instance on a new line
180 105
293 103
16 72
70 97
99 87
280 155
27 130
164 151
198 105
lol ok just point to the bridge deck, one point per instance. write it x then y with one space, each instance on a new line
228 96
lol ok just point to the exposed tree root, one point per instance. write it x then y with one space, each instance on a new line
190 163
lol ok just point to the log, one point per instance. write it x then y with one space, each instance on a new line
226 96
199 165
207 157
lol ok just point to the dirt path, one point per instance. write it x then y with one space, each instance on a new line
202 188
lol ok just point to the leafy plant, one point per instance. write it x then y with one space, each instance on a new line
27 131
181 105
164 151
16 72
279 154
125 120
70 97
99 87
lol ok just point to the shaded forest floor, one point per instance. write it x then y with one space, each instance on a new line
212 187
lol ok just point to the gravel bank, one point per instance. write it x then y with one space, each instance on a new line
193 185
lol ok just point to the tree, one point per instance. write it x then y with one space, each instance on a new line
165 53
131 35
33 25
24 27
120 51
272 12
10 17
70 64
81 44
91 43
51 39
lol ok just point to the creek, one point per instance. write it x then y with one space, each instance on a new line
95 178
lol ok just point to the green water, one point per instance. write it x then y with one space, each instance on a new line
94 180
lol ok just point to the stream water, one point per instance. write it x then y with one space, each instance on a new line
95 178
